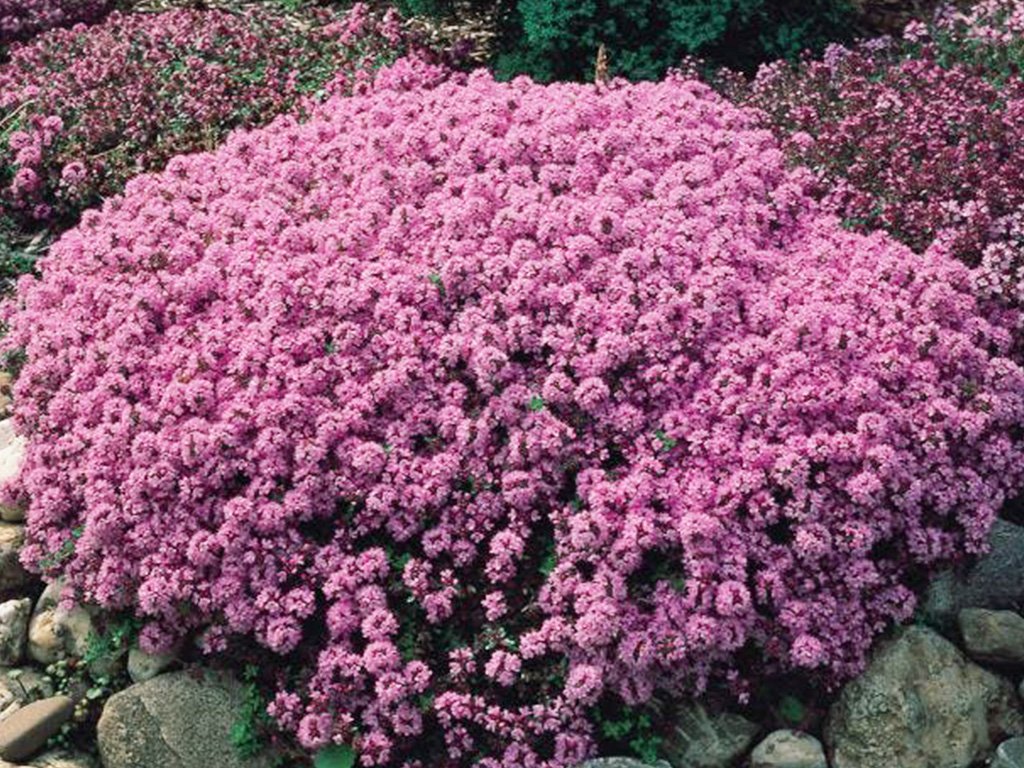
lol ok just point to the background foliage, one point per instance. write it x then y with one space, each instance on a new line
559 39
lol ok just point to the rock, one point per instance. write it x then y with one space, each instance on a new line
13 577
788 749
12 455
995 581
622 762
24 733
144 666
993 636
59 758
699 739
177 720
1010 754
14 616
56 633
21 686
920 704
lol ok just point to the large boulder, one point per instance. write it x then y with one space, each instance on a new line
995 580
177 720
703 739
920 704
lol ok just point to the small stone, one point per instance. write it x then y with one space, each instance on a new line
13 576
56 633
144 666
993 636
14 616
12 455
59 758
995 580
699 739
1010 754
24 733
788 749
20 686
920 704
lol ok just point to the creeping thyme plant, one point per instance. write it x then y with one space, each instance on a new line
484 404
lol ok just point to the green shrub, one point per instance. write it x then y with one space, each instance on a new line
559 39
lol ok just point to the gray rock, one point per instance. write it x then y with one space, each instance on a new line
144 666
995 581
699 739
21 686
178 720
788 749
993 636
12 455
13 577
920 704
14 616
1010 754
57 633
622 762
27 730
59 758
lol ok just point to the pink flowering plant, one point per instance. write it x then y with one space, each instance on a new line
481 405
20 19
84 109
918 136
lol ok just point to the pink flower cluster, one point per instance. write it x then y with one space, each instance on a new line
484 401
918 136
904 143
87 108
23 18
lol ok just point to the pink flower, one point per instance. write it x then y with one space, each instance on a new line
503 667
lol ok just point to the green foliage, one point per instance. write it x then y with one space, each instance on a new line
93 678
18 253
113 642
792 710
625 727
248 734
559 39
335 757
67 549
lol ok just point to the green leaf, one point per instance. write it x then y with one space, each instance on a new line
667 443
536 403
335 757
792 709
436 281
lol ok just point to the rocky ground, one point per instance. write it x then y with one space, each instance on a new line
941 693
